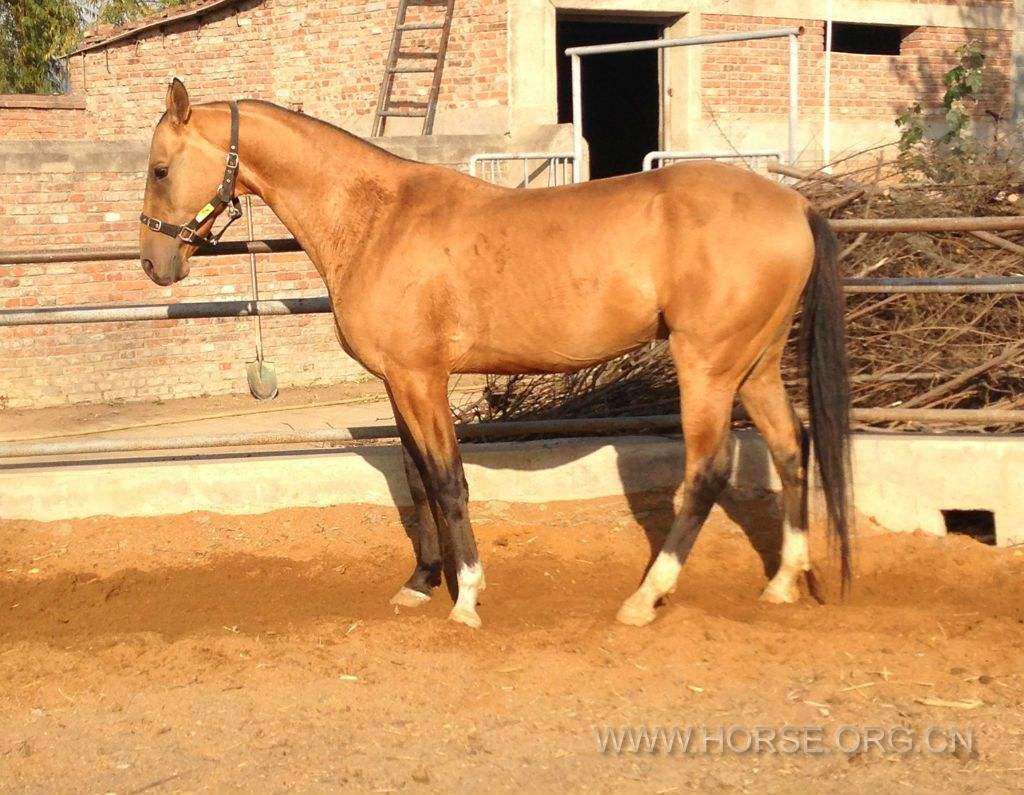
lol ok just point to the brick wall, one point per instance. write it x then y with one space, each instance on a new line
745 80
324 57
46 365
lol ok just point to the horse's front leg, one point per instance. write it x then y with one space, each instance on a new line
423 534
420 400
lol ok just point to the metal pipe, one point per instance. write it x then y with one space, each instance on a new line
981 286
661 423
183 311
575 57
280 245
257 322
321 304
992 223
576 62
826 120
670 154
284 245
689 41
465 432
794 95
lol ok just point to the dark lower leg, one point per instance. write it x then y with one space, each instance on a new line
423 534
428 435
765 399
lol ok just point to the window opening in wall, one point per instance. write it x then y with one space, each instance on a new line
860 39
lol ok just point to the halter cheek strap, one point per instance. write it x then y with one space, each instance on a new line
225 197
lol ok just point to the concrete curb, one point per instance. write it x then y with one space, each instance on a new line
902 481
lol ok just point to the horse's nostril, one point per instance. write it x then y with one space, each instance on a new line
147 266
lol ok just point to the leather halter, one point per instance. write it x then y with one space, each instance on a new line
225 197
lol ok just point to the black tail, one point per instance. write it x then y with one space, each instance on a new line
823 346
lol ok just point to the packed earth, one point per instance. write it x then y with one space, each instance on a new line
204 652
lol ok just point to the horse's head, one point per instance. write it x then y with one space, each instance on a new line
185 170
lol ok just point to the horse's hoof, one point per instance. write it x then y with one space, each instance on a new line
777 594
409 597
635 615
463 615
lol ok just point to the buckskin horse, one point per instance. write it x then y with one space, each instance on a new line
431 272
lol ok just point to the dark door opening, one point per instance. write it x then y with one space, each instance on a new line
621 93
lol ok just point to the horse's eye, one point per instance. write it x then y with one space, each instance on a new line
160 172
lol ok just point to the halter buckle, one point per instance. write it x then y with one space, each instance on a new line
232 160
189 235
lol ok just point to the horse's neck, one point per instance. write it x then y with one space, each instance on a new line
327 187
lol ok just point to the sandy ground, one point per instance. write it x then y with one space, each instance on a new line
221 653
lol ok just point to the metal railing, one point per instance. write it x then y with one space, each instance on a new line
476 431
321 305
660 157
556 165
576 55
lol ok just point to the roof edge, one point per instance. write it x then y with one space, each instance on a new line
156 23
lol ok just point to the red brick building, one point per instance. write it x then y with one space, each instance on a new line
72 167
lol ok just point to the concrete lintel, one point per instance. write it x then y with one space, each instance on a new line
902 481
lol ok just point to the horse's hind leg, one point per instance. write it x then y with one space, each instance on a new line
706 400
423 534
764 397
428 435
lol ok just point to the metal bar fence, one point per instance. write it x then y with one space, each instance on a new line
576 55
480 431
555 163
660 156
218 309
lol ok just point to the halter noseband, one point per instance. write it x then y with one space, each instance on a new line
225 197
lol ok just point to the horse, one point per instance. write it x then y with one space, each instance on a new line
431 272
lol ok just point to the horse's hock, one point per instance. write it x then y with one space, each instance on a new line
902 482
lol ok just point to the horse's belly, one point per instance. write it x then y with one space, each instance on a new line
525 347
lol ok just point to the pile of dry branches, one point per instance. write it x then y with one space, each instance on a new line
905 350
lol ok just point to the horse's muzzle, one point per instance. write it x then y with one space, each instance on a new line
176 274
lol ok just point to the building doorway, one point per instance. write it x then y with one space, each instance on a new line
621 92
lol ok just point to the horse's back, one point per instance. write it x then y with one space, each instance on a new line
555 279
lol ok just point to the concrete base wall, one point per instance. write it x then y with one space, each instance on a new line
902 482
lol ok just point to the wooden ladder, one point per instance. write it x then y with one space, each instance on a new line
387 105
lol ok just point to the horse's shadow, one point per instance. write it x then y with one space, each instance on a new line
650 475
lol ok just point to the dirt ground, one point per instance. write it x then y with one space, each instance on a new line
259 653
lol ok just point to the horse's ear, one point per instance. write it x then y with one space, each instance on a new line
178 107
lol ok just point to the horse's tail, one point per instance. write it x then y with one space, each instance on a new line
823 347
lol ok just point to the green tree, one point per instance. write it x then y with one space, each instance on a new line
33 34
117 12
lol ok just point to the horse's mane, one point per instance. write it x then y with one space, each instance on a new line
303 119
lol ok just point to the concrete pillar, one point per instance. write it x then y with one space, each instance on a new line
1018 61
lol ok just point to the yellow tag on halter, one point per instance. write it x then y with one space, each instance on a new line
204 213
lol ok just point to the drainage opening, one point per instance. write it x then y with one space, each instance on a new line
980 525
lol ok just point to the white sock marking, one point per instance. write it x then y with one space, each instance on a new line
470 582
795 559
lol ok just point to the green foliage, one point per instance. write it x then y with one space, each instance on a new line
33 33
117 12
926 150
